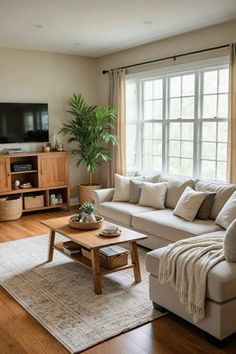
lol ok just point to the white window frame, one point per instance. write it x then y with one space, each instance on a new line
197 68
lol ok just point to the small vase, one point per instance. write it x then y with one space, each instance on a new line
91 217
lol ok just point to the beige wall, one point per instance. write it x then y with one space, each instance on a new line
29 76
208 37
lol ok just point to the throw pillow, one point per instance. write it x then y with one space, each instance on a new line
153 195
227 213
134 191
230 242
151 178
189 204
175 189
121 193
223 193
205 208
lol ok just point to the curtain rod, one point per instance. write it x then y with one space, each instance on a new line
166 58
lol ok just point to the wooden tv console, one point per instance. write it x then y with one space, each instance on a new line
49 175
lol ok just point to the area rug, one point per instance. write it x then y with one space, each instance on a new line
60 294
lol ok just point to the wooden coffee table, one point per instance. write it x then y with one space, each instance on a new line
93 242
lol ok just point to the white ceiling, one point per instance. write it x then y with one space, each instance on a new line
103 26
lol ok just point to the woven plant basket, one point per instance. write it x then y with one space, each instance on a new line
85 192
10 208
87 225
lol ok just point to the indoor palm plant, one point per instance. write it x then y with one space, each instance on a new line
90 128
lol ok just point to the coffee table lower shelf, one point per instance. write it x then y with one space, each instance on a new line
86 262
93 242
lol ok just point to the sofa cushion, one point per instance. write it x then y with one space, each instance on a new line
206 206
227 213
175 189
121 212
221 279
153 195
164 224
122 187
151 178
121 193
223 193
230 243
189 204
134 191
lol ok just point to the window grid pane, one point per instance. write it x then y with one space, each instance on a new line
152 146
181 146
167 108
214 134
181 100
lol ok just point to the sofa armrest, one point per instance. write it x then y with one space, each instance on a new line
102 195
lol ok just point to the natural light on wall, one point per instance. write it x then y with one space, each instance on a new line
176 120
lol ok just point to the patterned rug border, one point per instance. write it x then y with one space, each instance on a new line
50 330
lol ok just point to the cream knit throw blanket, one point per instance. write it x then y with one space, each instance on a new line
184 265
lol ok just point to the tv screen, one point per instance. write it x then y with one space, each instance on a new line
23 122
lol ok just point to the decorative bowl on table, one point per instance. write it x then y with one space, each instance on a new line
76 223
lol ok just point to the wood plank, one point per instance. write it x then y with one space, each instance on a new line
86 262
96 271
31 190
24 334
32 153
51 245
135 261
91 238
23 172
8 344
63 205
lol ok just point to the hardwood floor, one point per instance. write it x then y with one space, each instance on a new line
20 333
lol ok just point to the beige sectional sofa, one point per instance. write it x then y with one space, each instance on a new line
162 228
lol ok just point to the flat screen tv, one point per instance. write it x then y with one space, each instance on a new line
23 122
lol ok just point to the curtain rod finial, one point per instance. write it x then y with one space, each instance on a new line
105 72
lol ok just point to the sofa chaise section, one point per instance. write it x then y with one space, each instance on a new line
220 310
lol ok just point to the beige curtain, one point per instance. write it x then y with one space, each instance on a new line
117 100
232 117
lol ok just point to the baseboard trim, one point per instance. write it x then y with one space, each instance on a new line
74 201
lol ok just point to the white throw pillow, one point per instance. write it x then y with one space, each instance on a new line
121 193
122 185
230 242
153 195
189 204
227 213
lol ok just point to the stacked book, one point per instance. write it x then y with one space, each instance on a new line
71 247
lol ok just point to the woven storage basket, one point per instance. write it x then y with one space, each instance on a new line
10 208
85 192
87 225
109 262
33 201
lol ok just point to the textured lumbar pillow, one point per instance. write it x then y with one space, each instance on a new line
227 213
189 204
134 191
153 195
205 209
230 242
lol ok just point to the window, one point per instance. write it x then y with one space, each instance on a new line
177 122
